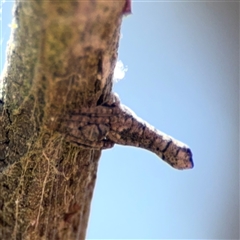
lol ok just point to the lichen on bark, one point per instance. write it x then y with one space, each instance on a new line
61 57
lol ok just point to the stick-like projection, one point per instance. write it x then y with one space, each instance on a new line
102 126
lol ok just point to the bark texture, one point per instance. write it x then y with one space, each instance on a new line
60 58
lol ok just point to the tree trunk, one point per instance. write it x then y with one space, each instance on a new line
60 58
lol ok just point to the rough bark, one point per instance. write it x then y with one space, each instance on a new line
61 57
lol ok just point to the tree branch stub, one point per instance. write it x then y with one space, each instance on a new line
58 113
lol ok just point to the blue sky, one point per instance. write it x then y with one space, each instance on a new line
183 78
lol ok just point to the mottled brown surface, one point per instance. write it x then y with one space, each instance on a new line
113 123
61 57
